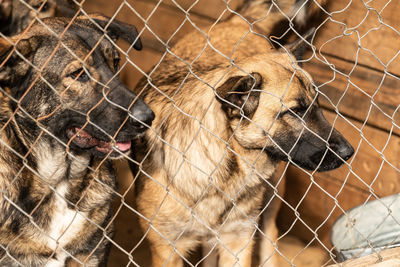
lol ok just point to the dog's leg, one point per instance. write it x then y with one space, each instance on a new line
210 253
83 260
235 250
165 254
268 255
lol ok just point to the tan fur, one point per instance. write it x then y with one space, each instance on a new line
204 170
183 162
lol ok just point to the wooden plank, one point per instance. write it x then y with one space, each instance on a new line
364 94
157 22
376 158
128 233
202 7
385 258
327 194
317 211
144 61
373 24
163 23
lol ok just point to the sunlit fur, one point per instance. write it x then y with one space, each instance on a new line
207 165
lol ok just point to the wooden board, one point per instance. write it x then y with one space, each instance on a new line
386 258
358 92
322 198
373 26
159 24
210 9
141 62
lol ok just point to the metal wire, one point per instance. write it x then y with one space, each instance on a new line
164 49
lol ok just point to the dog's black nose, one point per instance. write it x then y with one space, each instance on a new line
141 114
344 150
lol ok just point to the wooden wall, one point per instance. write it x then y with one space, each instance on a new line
357 66
361 43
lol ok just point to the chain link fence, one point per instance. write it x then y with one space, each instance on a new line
231 162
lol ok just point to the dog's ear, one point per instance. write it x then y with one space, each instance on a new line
66 8
298 47
240 93
5 9
117 29
23 46
9 57
5 46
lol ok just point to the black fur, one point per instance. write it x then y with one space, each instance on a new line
310 152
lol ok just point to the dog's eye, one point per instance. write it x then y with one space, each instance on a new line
45 7
80 75
116 63
299 111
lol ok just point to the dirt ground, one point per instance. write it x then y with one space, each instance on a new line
131 249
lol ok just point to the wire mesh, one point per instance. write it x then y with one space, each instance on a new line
221 176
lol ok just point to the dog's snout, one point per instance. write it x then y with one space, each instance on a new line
141 114
344 150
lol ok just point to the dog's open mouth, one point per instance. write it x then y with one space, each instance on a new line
83 139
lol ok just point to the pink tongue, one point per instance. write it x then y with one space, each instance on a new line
123 146
104 147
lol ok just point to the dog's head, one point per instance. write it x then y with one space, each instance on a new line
273 107
17 14
65 81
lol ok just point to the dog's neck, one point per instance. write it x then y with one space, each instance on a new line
194 145
54 163
48 160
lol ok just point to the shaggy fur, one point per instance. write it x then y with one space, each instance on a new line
63 112
225 117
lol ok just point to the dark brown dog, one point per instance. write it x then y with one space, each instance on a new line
63 113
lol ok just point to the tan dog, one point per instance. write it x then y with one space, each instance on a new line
224 118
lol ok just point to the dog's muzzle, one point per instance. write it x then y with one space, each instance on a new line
141 115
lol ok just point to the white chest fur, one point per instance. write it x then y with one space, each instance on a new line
65 225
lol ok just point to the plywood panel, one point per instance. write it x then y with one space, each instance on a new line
207 8
385 258
367 95
161 26
322 197
317 211
140 62
367 33
159 23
